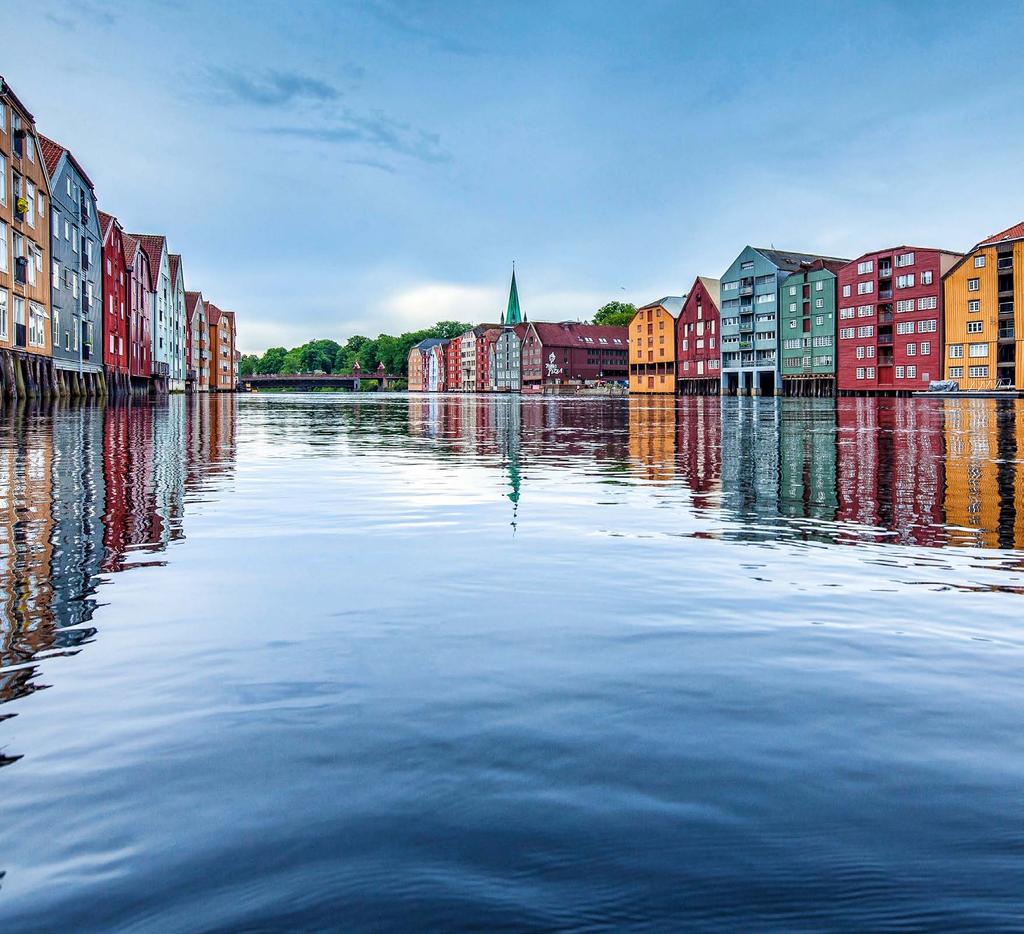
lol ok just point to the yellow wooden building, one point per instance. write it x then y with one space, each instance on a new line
984 314
652 346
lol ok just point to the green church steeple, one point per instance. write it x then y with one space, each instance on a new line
512 314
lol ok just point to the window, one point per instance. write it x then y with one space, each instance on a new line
956 372
36 319
979 261
30 197
903 305
911 350
860 353
977 372
956 351
975 327
67 183
762 299
871 372
846 291
860 372
928 303
927 327
792 306
819 286
846 333
3 248
866 266
926 277
900 372
974 305
904 259
865 311
819 319
973 285
3 179
74 239
866 331
911 372
977 350
870 350
67 229
792 291
745 266
904 327
55 277
819 303
905 281
3 314
865 288
926 348
31 266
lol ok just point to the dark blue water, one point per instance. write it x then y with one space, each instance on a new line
390 663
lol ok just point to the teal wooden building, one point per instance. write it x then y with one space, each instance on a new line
807 329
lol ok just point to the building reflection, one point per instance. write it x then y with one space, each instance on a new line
85 491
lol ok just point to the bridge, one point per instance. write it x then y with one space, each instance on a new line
304 382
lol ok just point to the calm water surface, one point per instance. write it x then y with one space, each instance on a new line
383 663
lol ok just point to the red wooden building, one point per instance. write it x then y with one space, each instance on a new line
698 350
890 324
141 299
453 364
116 315
197 344
561 355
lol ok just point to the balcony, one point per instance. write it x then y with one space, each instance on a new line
746 290
885 270
1004 264
884 294
746 345
747 328
160 369
1006 333
884 340
193 374
1006 309
885 317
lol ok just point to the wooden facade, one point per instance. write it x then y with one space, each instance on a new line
652 346
984 314
116 311
698 352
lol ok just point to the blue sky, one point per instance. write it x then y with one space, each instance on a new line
330 168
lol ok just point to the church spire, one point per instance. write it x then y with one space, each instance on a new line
512 314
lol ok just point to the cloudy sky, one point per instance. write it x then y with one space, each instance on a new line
332 168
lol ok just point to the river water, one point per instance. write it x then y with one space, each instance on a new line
380 662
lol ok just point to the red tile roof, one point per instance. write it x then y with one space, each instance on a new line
153 245
191 300
213 313
569 333
52 151
174 261
1015 232
131 248
105 220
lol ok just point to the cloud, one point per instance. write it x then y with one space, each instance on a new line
377 131
73 16
272 88
410 18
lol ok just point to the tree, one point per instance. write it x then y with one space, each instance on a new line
615 314
248 364
271 361
448 329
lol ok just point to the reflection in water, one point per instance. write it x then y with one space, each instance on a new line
84 490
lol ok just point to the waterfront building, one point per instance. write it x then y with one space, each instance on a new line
560 357
414 369
485 357
197 347
749 318
453 365
505 369
889 325
26 366
652 346
221 329
155 248
76 280
807 329
473 354
141 300
436 366
177 327
984 314
698 354
116 343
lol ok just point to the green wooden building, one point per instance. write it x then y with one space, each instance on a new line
808 319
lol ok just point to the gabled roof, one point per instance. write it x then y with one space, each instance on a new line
673 304
105 220
131 248
572 334
1016 232
213 313
429 342
153 245
792 262
713 287
480 329
831 265
174 262
6 90
192 300
52 151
